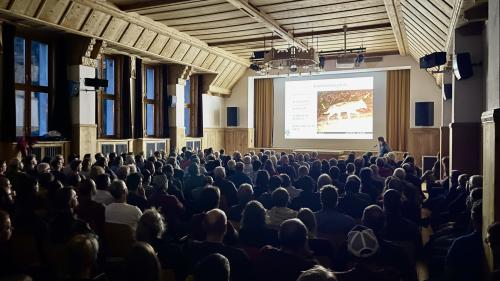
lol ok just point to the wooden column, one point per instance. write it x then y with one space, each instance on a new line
491 174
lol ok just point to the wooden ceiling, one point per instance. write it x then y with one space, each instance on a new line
413 27
222 24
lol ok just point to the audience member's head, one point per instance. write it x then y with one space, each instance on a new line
80 257
323 179
285 180
66 199
142 264
399 173
280 197
134 182
293 235
374 218
86 189
306 216
219 172
274 183
119 191
362 243
215 224
253 216
151 226
392 202
317 273
209 199
5 226
352 187
493 238
245 193
214 267
303 171
329 197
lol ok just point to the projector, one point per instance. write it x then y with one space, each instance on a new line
346 61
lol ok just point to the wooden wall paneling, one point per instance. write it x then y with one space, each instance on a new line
4 4
465 147
100 23
53 10
146 39
76 15
158 44
191 55
213 137
27 7
170 48
180 51
200 58
208 61
423 142
215 64
114 30
491 175
131 34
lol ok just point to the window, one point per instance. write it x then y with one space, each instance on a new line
150 101
187 108
31 75
108 98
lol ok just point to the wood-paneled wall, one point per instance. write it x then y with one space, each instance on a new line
423 142
231 139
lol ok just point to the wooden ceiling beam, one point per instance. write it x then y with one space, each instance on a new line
268 22
395 14
147 4
301 35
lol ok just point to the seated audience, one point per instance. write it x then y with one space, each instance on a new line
136 193
215 226
280 212
102 195
239 177
120 212
353 203
214 267
330 220
307 198
291 259
254 232
142 264
229 194
88 210
364 249
317 273
287 184
245 195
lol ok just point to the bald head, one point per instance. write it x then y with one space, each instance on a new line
293 235
215 224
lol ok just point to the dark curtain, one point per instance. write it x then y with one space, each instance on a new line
60 104
138 124
165 102
126 99
264 112
199 108
8 131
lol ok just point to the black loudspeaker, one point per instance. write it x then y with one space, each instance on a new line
232 116
462 66
172 101
424 114
96 83
428 162
432 60
447 91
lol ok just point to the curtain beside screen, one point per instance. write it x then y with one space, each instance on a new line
398 108
264 112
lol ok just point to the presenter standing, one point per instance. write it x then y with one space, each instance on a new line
383 147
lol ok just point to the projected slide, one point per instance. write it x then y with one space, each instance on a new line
329 109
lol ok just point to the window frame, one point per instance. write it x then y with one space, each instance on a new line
154 102
27 86
102 97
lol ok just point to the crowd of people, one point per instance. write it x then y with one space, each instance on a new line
265 215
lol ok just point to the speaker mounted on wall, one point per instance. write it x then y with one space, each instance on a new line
447 91
233 116
462 66
424 114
